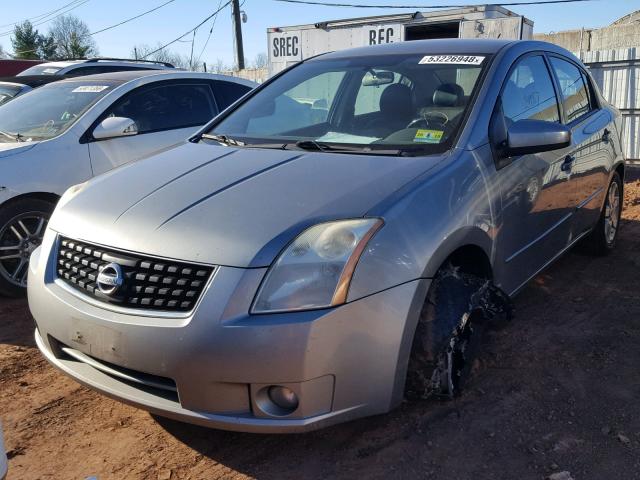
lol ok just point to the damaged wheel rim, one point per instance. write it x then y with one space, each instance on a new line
453 362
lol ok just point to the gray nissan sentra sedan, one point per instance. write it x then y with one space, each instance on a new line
333 242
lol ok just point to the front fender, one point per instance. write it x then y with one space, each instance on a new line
449 208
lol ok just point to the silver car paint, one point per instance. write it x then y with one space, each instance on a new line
239 208
51 166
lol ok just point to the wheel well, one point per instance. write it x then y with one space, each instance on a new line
620 170
471 259
46 196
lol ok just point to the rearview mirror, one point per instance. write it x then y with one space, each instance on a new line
114 127
534 136
375 79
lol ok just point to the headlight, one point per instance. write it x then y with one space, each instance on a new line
315 270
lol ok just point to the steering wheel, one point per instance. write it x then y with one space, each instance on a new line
429 120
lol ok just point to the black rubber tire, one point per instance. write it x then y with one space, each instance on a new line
7 213
448 300
596 243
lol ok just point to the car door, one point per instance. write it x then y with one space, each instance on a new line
592 152
538 194
165 113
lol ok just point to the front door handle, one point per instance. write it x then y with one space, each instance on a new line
568 161
605 135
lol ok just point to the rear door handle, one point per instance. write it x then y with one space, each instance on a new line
568 161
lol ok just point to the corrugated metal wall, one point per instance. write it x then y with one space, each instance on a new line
617 73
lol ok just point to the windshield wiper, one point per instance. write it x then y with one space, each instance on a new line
358 149
13 136
225 140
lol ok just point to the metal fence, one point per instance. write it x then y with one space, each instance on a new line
617 73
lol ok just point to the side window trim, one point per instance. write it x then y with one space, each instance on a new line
593 105
538 53
498 109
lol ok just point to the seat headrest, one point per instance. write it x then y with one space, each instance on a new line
396 98
448 95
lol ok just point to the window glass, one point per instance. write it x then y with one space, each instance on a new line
574 90
529 92
48 111
167 107
40 70
368 99
386 102
96 69
7 92
304 105
228 92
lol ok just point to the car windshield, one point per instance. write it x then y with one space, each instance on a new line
7 92
369 103
40 70
48 111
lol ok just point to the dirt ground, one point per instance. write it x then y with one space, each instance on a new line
557 390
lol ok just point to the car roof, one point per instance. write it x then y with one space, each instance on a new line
448 46
169 74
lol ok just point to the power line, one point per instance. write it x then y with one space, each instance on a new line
9 32
210 32
188 32
506 4
132 18
42 15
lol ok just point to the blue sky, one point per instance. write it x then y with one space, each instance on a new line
174 19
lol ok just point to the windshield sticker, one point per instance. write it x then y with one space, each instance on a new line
451 60
50 70
90 89
428 136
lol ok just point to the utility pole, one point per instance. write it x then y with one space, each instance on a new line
237 23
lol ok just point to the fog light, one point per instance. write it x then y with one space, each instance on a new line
283 397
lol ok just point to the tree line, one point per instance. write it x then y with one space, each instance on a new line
70 37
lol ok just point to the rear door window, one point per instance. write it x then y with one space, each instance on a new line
529 92
575 95
167 107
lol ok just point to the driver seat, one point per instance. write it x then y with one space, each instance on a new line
448 99
396 111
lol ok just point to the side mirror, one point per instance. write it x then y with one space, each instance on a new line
533 136
114 127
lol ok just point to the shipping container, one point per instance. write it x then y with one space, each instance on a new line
617 73
290 44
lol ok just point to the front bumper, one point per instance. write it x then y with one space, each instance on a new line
343 363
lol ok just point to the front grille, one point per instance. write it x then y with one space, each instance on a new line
148 283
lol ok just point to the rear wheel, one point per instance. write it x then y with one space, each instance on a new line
603 237
449 333
22 226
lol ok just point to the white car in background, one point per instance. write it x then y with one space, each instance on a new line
93 66
66 132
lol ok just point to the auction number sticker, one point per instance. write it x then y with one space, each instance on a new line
90 89
428 136
451 60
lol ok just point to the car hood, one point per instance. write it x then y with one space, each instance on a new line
228 206
12 148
